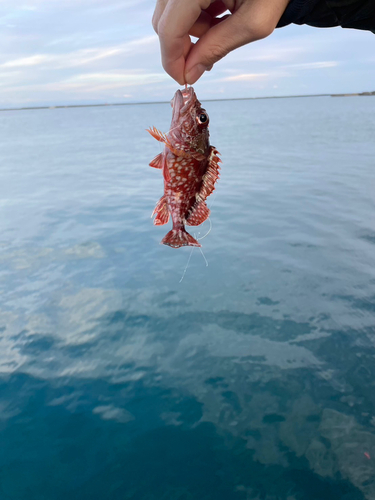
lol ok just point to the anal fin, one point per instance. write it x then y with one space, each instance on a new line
162 212
157 162
199 214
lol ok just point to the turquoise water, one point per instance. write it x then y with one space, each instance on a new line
252 378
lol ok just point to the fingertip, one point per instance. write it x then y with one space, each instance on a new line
177 78
226 35
174 59
176 70
181 81
194 73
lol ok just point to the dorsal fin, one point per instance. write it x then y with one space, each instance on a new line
211 175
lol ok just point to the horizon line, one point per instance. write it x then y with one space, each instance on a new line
62 106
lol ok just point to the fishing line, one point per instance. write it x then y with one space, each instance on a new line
200 249
174 128
199 239
187 265
208 232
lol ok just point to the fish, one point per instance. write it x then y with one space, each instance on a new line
190 168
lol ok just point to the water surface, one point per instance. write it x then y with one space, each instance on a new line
253 378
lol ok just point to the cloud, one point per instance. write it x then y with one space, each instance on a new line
82 57
273 52
26 61
313 65
244 77
91 83
116 80
87 73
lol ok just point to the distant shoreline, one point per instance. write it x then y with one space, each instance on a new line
100 105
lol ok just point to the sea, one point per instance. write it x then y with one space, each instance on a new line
133 371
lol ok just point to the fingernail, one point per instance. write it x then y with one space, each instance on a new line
195 72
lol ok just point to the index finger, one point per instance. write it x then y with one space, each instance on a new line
178 18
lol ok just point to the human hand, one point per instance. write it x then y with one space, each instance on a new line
176 20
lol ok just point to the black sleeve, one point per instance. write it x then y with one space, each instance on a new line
359 14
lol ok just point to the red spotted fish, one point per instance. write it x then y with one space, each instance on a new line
190 168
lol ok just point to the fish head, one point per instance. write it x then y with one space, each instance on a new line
189 121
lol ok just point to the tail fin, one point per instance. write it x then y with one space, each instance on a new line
177 238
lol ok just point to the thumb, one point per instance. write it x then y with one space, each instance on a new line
247 24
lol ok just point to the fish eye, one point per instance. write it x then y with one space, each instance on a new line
203 118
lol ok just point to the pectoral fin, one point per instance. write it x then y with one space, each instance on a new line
159 136
156 134
157 162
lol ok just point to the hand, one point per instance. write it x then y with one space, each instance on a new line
175 20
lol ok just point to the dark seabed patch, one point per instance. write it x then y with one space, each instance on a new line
266 301
147 459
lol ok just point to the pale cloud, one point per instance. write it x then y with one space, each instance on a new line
86 73
84 56
26 61
116 80
276 53
37 4
245 77
94 82
314 65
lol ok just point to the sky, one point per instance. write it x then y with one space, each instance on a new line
55 52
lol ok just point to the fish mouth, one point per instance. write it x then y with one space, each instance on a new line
187 95
182 101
